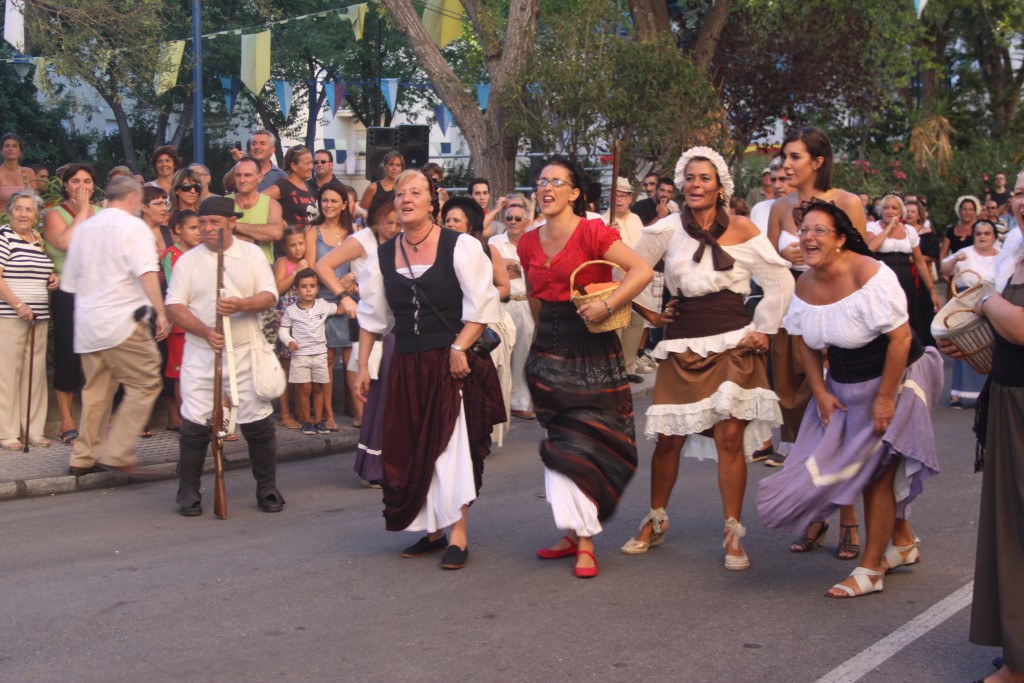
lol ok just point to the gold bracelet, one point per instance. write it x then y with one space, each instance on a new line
20 304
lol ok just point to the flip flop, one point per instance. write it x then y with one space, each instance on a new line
69 437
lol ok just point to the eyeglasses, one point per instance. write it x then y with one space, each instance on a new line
190 188
554 182
817 231
514 219
320 162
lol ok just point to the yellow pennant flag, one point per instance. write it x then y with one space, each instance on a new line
40 79
169 63
443 20
357 15
256 60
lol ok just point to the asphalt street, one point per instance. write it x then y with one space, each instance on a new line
112 585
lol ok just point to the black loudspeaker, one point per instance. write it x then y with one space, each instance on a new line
379 141
414 144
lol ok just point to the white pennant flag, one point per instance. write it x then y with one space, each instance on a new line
14 24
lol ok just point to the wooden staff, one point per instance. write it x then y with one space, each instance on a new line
220 496
31 357
615 182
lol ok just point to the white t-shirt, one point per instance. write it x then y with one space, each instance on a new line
108 254
759 215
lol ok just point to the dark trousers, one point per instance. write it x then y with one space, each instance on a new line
195 439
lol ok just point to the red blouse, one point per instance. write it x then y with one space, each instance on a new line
549 277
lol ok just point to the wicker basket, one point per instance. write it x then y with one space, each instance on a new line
969 332
619 317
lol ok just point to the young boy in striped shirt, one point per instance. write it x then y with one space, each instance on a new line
303 331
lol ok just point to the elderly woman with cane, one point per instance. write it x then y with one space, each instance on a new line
26 273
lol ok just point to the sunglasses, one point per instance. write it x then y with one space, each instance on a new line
190 188
514 219
320 162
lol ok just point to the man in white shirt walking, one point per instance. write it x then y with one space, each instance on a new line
111 269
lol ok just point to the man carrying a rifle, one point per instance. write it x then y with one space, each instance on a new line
194 305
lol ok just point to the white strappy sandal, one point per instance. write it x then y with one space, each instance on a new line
659 525
734 531
867 581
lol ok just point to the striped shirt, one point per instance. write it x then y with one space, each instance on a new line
26 270
308 327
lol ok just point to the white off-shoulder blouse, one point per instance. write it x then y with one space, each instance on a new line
877 308
891 244
755 258
475 273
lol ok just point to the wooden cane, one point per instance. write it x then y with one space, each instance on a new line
31 357
220 496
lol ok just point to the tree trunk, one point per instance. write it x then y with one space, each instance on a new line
492 149
710 31
183 123
161 127
124 129
650 18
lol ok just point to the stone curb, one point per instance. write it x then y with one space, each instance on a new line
51 486
296 450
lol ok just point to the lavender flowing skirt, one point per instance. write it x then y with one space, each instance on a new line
371 434
830 466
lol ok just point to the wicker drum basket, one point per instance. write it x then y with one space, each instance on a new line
969 332
619 317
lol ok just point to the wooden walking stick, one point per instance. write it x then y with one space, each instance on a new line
31 357
615 182
220 496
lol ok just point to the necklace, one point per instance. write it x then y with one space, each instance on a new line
416 245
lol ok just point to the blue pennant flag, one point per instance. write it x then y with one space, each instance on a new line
231 85
483 94
390 88
284 96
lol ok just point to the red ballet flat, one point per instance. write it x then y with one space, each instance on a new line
549 554
586 572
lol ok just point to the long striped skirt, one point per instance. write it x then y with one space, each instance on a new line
582 398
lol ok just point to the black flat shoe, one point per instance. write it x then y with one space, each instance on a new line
82 471
454 557
271 503
425 546
193 510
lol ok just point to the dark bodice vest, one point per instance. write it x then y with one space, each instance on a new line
417 325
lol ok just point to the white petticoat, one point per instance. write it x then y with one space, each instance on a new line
452 485
758 406
570 507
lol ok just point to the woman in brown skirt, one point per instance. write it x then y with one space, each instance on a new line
433 288
715 384
997 609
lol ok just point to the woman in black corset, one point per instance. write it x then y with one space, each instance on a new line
576 377
433 289
897 244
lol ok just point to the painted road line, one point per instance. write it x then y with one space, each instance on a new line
864 663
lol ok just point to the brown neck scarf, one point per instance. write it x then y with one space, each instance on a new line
720 259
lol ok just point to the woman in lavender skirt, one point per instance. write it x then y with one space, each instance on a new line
868 427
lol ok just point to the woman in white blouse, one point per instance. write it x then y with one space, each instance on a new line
981 258
433 288
867 429
897 245
718 381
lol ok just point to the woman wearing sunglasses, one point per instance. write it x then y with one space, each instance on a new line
186 191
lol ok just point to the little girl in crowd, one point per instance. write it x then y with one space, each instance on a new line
184 225
294 260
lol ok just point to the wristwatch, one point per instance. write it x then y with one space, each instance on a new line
456 347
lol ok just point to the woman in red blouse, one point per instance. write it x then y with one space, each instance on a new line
577 378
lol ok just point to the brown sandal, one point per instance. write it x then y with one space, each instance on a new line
846 550
807 543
